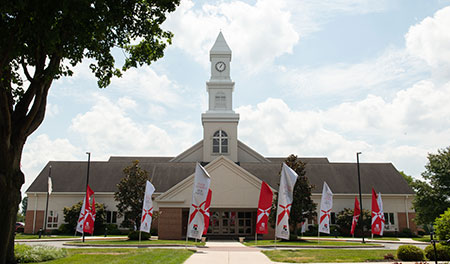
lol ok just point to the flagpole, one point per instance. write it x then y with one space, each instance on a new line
276 225
46 205
87 180
360 198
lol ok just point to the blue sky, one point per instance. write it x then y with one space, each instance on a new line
314 78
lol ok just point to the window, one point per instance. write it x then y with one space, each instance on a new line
52 219
220 101
333 218
389 219
220 142
111 217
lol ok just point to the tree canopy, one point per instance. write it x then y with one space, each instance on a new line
433 193
130 194
303 207
40 41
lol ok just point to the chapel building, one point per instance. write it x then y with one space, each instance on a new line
236 172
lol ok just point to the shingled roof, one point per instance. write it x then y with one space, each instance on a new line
70 176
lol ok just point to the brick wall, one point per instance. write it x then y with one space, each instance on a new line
403 224
170 223
29 219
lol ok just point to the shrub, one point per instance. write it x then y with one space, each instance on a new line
26 254
389 256
409 253
134 235
443 252
442 225
406 232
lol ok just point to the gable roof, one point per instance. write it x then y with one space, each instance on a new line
70 176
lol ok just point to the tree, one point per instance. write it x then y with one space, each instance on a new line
344 220
71 215
130 195
41 41
442 226
303 207
433 194
24 205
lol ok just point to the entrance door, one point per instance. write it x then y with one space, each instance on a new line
225 222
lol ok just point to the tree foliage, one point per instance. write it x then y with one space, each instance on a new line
344 220
41 41
442 226
303 207
130 194
71 215
433 194
24 205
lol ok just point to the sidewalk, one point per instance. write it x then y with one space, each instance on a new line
228 252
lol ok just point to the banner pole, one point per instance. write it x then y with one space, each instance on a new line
276 225
140 236
256 238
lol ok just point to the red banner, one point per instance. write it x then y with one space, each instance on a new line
356 213
264 206
88 226
206 210
377 216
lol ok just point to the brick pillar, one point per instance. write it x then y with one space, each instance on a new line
29 221
402 223
170 223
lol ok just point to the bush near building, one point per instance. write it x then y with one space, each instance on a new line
410 253
443 252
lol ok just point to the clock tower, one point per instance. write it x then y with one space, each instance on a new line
220 121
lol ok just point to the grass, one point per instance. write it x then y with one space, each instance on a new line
143 242
310 243
26 253
121 255
326 255
22 236
425 238
386 238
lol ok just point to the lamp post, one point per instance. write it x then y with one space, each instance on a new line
360 197
87 177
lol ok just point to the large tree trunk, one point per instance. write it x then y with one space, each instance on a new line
11 180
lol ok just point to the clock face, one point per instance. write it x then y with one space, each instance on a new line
220 66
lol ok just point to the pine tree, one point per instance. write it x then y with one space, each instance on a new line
130 195
303 207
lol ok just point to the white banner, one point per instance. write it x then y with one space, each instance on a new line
82 217
380 206
285 197
196 221
326 204
147 208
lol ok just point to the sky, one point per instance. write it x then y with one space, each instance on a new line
322 78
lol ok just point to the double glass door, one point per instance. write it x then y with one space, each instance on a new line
225 222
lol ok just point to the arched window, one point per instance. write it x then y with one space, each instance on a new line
220 142
220 101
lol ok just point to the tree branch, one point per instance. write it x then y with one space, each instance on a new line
25 70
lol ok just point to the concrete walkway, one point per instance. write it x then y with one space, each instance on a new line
228 252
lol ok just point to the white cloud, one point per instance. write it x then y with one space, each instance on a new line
346 80
430 39
40 150
108 130
414 122
257 33
146 84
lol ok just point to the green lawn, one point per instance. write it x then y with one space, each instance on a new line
305 243
327 255
143 242
22 236
425 238
86 256
385 238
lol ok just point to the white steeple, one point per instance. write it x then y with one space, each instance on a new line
220 121
220 47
